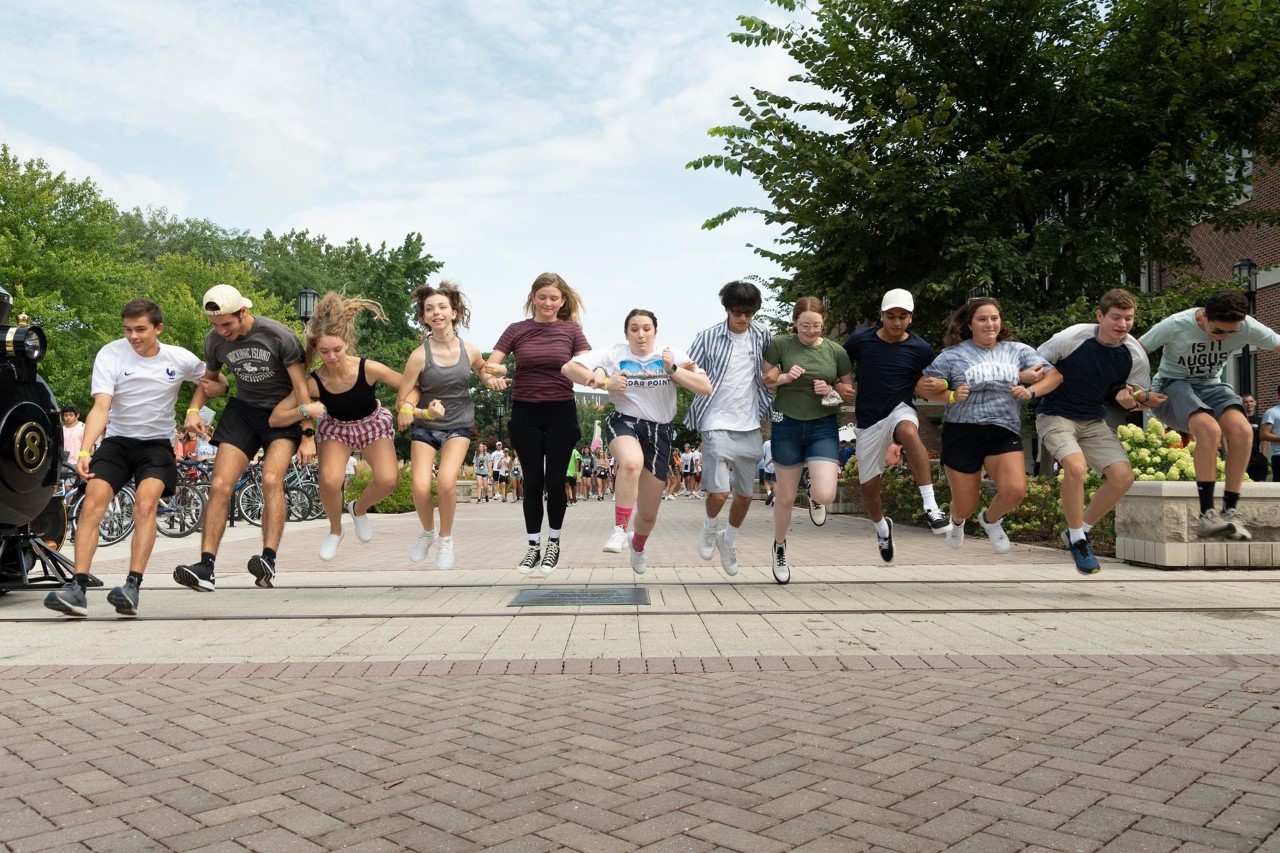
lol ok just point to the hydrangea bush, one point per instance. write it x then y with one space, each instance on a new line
1157 453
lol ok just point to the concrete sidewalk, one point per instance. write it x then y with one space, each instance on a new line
951 700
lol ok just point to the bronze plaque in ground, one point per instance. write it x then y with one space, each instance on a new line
580 597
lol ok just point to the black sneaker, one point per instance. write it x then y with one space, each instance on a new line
197 576
69 599
552 556
532 558
781 573
885 543
125 598
939 521
263 570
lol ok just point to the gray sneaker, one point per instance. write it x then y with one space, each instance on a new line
1211 524
125 598
70 600
1238 531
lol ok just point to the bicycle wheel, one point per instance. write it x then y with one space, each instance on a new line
182 514
299 503
117 521
249 502
317 505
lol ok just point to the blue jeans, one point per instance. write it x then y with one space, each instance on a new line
796 442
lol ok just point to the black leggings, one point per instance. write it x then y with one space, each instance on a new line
544 435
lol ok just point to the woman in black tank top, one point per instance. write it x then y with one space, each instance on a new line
348 416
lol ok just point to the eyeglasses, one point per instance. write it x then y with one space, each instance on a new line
809 327
742 312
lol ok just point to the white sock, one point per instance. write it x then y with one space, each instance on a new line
534 541
730 533
882 527
709 523
1087 527
927 498
1075 534
553 534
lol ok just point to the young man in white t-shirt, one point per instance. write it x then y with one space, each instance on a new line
135 387
730 353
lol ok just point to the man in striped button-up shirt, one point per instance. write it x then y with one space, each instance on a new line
730 354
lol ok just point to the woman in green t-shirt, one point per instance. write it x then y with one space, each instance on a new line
812 376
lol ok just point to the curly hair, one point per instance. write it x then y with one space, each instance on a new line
572 304
958 324
449 290
335 316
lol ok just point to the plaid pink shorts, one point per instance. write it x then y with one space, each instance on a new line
357 434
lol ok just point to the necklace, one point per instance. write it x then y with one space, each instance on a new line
446 341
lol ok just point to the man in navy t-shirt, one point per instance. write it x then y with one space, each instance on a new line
888 360
1093 363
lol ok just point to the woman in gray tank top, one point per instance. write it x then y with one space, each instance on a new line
438 371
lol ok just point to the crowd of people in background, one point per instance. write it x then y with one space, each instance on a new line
316 399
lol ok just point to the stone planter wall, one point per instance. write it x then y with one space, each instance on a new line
848 500
1156 523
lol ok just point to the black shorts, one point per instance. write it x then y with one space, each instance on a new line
966 446
119 460
655 440
248 428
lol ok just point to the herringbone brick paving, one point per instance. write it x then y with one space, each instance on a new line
1173 757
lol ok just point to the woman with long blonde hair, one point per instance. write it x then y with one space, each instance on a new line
350 418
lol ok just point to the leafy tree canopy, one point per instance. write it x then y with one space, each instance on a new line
1040 149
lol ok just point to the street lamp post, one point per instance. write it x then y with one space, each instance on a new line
502 411
307 299
1246 273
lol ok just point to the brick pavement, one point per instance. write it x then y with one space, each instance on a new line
1165 756
1082 744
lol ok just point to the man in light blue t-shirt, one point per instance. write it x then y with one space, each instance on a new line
1269 431
1197 345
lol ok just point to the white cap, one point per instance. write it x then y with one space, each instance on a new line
224 299
898 298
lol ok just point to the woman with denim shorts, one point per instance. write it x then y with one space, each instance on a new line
812 376
439 370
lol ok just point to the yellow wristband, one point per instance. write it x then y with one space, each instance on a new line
82 454
189 411
406 409
945 385
428 414
952 398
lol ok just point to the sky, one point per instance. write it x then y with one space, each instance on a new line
517 136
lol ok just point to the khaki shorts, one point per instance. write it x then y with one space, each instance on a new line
1097 441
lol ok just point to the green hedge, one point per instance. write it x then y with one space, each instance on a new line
401 500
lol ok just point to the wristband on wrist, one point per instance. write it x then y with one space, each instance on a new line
189 411
1033 392
945 385
82 454
302 410
951 398
406 409
428 414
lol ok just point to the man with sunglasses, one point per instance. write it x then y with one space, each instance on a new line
730 352
1197 344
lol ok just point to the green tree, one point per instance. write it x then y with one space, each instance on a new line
1040 149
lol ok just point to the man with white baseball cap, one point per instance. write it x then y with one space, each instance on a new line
265 356
888 360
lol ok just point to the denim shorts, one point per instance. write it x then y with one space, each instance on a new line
438 437
796 442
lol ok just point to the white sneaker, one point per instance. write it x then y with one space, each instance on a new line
781 572
999 540
444 555
637 558
955 536
364 527
617 540
728 554
706 543
329 547
418 553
